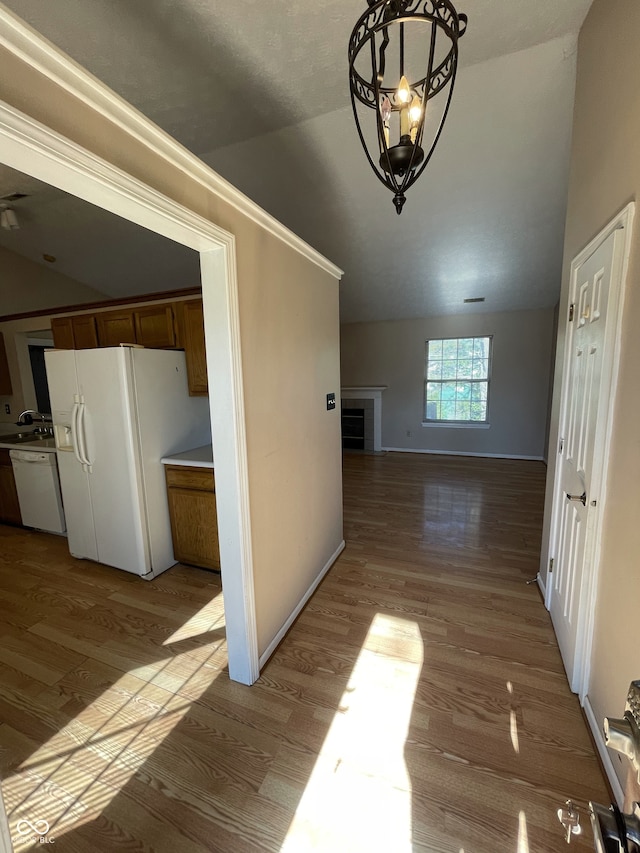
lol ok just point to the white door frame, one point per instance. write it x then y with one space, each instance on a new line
621 225
31 147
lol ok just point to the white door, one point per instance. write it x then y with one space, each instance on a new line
579 492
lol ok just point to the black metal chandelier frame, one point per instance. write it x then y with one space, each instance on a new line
400 166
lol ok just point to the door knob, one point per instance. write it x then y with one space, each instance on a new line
582 498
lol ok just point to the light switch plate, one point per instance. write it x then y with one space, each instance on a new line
331 402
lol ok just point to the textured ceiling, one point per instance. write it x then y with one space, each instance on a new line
259 91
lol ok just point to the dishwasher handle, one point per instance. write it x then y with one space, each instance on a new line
29 456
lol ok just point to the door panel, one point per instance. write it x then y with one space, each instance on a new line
577 496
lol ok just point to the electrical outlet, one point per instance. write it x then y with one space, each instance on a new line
7 409
408 433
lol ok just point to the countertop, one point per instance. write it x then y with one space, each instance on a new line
44 445
198 457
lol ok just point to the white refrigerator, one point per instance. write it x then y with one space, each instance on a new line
116 412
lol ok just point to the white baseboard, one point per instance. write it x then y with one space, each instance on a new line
264 657
464 453
542 587
605 756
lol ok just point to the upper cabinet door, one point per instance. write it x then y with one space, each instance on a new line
155 327
85 333
5 376
62 329
115 328
194 346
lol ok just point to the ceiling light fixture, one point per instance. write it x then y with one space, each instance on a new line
420 39
8 219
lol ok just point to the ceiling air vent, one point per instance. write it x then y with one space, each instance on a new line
474 299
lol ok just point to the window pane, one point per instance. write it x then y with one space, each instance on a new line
434 370
478 411
433 391
481 347
480 368
463 411
465 369
449 390
433 411
450 348
479 391
465 347
449 369
448 411
463 391
435 349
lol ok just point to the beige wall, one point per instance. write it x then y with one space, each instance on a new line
289 342
27 286
392 353
605 176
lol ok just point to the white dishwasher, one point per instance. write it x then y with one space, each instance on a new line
38 488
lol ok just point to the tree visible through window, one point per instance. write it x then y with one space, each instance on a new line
457 379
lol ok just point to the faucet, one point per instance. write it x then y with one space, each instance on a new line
26 418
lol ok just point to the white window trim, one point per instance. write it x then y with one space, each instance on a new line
457 424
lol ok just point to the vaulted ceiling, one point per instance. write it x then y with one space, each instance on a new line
259 91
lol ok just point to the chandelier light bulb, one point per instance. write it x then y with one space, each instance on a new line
415 110
404 93
385 115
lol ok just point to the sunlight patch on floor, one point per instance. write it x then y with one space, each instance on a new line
208 618
73 777
361 772
523 838
513 724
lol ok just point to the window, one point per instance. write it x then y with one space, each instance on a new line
457 380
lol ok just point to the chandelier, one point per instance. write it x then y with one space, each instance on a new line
403 107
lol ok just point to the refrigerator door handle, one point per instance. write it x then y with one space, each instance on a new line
82 435
74 432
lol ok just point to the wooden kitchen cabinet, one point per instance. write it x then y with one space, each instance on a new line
155 326
192 323
192 509
5 377
116 327
163 325
77 332
62 329
9 506
85 332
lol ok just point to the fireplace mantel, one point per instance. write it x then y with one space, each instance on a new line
368 392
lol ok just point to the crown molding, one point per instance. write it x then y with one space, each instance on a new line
29 46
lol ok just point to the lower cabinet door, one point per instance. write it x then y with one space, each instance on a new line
194 527
9 506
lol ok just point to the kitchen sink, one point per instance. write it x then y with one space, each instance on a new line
27 438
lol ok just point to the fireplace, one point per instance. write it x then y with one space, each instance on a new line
357 424
364 405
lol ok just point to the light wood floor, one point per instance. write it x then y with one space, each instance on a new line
418 704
